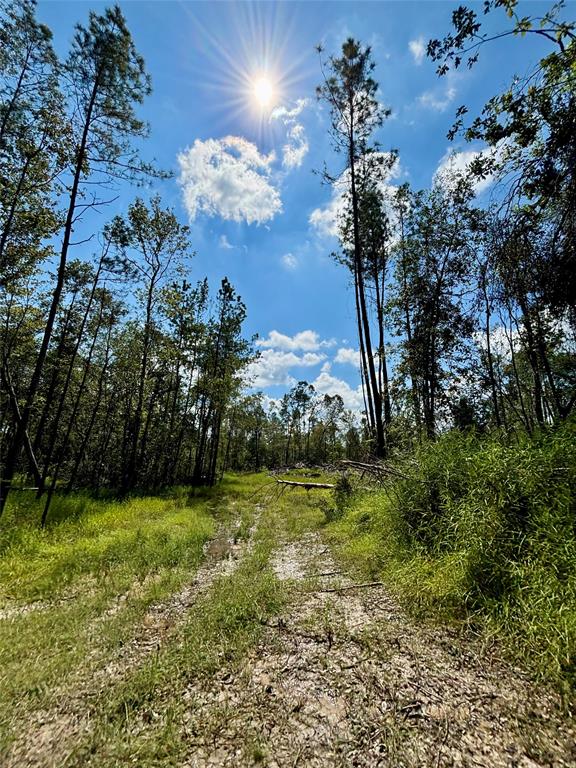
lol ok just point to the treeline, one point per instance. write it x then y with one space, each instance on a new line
465 311
466 325
302 428
116 368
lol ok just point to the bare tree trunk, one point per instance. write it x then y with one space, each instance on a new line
93 415
366 391
6 380
71 421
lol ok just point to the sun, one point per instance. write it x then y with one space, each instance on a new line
263 92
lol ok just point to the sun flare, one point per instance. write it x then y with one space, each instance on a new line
263 92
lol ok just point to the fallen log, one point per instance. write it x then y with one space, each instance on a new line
307 486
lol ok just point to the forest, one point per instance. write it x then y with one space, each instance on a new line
134 446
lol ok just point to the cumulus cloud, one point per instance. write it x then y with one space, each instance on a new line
273 366
306 341
229 178
296 147
289 261
437 102
348 356
501 339
325 220
418 50
282 354
455 164
326 384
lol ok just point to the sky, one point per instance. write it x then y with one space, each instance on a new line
246 175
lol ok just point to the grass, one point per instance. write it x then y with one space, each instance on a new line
483 532
219 631
57 586
60 590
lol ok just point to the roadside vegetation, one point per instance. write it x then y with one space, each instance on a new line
132 565
71 592
480 530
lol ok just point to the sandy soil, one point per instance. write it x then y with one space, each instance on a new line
345 679
342 678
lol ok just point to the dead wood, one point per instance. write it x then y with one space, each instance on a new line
376 469
307 486
328 573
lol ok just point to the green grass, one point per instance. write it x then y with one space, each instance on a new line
96 540
483 532
220 630
57 586
67 581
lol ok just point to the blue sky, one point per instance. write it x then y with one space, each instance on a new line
244 176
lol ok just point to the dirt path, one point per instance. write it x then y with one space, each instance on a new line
345 679
341 678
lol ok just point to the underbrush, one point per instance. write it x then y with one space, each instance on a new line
482 531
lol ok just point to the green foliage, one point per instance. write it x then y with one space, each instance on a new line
482 530
92 539
343 498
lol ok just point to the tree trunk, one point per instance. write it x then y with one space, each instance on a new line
15 447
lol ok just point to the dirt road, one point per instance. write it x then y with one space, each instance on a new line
337 676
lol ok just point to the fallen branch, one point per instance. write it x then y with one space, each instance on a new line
307 486
377 469
328 573
354 586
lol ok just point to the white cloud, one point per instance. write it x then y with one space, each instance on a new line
418 50
290 114
500 340
289 261
229 178
326 384
307 341
325 220
455 164
273 366
223 243
437 102
348 356
296 150
296 147
281 354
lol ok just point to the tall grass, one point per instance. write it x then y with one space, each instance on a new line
485 531
72 594
60 588
98 539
